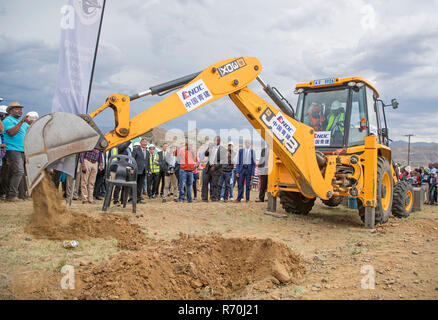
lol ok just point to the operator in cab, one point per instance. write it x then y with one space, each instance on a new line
335 123
315 117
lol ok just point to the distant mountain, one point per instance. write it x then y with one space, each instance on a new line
405 143
420 155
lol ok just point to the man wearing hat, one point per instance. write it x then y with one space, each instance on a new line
15 130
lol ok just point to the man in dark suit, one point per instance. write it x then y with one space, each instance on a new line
245 170
217 156
141 155
161 179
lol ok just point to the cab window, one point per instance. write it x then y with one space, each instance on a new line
356 135
324 111
372 114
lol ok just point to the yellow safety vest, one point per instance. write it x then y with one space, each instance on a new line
155 168
331 120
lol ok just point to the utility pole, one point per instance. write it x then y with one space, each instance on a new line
409 145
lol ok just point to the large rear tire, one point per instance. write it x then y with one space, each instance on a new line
385 191
333 202
296 203
403 199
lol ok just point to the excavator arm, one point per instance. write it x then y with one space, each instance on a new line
60 134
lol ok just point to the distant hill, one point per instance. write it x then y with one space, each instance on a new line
422 153
405 143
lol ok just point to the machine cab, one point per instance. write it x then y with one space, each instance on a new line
341 111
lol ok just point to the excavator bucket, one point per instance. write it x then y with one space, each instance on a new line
55 136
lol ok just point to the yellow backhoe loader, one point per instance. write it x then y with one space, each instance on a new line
335 144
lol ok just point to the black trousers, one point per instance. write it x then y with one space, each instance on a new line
207 178
100 183
140 182
213 179
160 184
4 178
153 180
216 190
263 187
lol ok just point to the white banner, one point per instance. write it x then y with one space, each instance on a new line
80 21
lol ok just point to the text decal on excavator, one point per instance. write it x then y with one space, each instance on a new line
282 129
194 95
231 66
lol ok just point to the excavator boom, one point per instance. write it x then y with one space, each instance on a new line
59 134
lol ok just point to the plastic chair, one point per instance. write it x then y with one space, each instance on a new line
119 165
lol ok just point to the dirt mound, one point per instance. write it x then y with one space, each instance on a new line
80 226
192 267
52 220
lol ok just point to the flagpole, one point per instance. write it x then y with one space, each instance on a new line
88 98
95 54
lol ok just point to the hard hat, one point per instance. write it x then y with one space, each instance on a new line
336 105
151 146
231 143
136 144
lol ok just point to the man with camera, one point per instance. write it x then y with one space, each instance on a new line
169 163
15 128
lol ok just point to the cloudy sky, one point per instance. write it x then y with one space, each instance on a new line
393 43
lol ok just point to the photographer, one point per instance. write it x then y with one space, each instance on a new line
169 163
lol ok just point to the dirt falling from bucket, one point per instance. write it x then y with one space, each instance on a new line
48 207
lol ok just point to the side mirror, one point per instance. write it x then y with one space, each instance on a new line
394 103
384 132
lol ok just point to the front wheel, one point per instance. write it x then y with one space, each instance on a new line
385 190
294 202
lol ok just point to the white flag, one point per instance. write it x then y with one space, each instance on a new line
80 21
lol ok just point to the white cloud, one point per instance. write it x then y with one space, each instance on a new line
144 43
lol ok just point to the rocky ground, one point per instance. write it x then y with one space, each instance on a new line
217 251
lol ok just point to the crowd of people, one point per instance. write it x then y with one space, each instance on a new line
178 172
173 172
422 177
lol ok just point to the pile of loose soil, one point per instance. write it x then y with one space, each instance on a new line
52 220
192 267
